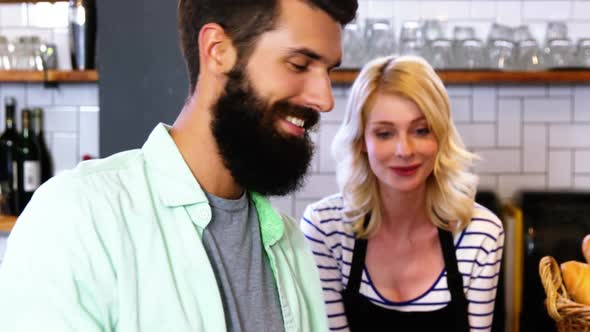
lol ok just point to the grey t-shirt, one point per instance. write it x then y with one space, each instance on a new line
234 246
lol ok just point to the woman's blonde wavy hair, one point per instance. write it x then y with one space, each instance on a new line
450 188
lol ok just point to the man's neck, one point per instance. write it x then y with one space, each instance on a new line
192 135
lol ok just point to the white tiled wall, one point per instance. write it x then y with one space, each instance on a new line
71 110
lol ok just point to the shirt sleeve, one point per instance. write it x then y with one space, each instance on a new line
49 279
483 285
328 257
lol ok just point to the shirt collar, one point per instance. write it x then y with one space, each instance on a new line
177 185
173 179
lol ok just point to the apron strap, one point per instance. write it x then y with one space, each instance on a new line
454 280
358 261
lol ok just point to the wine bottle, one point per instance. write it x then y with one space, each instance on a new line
28 164
8 142
45 159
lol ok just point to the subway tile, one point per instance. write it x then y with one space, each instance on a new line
48 15
560 169
582 103
315 159
582 161
569 136
62 42
461 109
13 15
38 94
380 9
535 148
581 9
61 119
284 204
509 12
318 186
459 91
582 182
560 90
510 185
547 110
76 95
337 113
445 9
405 11
65 151
498 161
89 134
327 163
483 9
339 90
509 122
546 10
521 91
484 103
478 135
363 11
579 29
537 29
488 182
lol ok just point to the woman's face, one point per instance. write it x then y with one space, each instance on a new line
399 144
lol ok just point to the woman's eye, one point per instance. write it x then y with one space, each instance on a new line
383 134
423 131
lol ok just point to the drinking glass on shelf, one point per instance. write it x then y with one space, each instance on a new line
353 46
412 30
379 37
411 47
432 29
522 33
500 32
4 54
530 56
501 54
439 53
470 54
560 53
583 53
556 30
461 33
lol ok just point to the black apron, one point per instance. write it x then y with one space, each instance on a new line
363 315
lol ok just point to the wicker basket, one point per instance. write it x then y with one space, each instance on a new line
570 316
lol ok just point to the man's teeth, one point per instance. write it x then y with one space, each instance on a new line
296 121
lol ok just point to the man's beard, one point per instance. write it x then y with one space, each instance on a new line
259 157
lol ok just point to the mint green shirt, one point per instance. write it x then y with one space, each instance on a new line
115 245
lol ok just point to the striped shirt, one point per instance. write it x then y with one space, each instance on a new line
478 248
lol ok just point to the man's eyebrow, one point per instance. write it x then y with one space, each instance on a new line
314 55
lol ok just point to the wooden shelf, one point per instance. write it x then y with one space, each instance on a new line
53 76
6 223
347 76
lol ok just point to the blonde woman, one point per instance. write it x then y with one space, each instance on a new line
404 243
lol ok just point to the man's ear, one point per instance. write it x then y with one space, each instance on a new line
216 50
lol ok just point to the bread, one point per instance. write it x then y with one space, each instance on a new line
576 278
586 248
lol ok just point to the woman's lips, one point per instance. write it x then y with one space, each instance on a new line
405 170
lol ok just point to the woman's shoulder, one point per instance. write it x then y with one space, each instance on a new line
326 216
484 225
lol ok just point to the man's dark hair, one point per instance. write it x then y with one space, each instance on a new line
243 20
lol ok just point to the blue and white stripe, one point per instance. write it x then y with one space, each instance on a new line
478 247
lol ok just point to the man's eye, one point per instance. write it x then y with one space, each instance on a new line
298 67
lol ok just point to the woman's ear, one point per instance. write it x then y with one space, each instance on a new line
216 50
